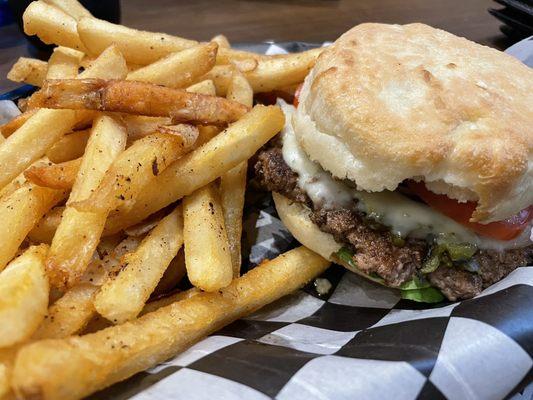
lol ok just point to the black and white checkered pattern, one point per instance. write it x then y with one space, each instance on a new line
361 341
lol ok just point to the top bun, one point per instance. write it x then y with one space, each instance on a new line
386 103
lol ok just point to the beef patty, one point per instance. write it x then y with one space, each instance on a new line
374 248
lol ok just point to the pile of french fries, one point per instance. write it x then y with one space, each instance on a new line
125 173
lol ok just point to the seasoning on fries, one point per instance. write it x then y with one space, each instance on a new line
136 188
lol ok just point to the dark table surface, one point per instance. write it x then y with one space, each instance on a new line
302 20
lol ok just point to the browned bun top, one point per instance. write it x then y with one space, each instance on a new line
387 103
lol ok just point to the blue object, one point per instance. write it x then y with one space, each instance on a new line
6 16
23 91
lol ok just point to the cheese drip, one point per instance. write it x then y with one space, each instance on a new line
404 217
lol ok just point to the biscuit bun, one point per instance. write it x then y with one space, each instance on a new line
295 217
386 103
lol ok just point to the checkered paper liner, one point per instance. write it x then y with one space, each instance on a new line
360 341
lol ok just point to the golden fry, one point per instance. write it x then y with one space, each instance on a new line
30 141
54 176
169 299
196 169
270 73
63 63
28 70
232 190
75 367
69 147
10 127
45 229
139 126
207 253
121 298
110 64
233 182
19 212
133 169
24 289
138 47
78 233
138 98
180 69
69 314
51 25
173 275
204 87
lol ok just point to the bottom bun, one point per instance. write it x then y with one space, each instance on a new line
295 217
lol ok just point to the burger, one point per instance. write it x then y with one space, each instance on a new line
407 158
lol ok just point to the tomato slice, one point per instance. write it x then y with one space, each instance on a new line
462 212
297 95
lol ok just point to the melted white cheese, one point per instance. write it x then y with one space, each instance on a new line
402 215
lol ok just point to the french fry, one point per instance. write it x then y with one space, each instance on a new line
138 98
239 89
98 272
19 212
246 65
204 87
180 69
63 63
273 73
207 254
54 176
28 70
143 227
29 140
98 322
75 367
122 297
4 380
78 233
198 168
110 64
138 47
69 147
233 182
45 229
8 128
20 180
278 72
24 289
52 25
232 189
230 56
70 314
7 361
205 134
133 169
139 126
220 75
173 275
188 132
169 299
222 41
71 7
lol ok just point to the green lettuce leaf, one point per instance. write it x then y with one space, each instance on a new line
417 289
425 295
